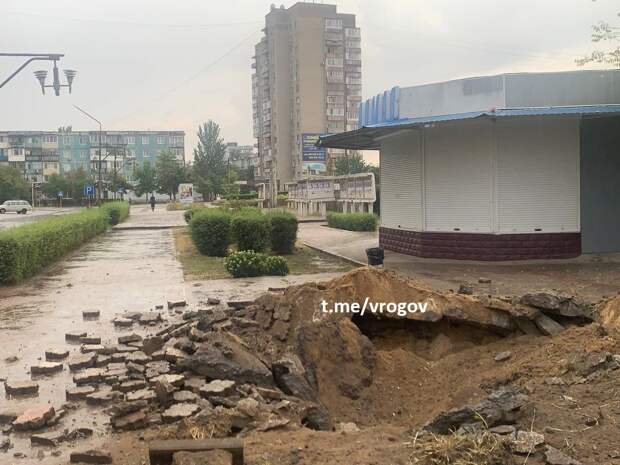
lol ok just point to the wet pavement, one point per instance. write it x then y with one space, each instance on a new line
126 269
120 271
591 276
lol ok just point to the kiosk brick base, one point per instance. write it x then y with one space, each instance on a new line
485 247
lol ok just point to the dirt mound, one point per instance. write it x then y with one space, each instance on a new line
609 313
388 366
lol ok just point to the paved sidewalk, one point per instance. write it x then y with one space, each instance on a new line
142 217
591 276
350 245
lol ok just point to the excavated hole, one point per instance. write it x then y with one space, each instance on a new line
430 341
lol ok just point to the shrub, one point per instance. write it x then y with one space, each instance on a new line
189 212
352 221
240 203
116 211
243 196
27 249
251 231
275 266
283 231
245 264
210 231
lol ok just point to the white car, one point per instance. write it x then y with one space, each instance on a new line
17 206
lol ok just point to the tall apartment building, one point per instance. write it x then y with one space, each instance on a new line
40 154
307 81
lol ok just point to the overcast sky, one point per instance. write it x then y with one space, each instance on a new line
163 65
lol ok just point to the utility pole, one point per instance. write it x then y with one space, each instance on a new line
99 182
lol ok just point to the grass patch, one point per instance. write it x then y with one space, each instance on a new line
201 267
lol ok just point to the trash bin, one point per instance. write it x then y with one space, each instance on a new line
375 256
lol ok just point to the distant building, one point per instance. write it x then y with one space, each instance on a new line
307 82
40 154
241 156
507 167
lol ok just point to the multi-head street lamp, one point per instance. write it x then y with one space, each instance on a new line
42 75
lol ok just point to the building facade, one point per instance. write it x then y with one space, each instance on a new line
515 166
241 156
307 82
40 154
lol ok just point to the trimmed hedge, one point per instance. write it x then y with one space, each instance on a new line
116 211
352 221
210 231
251 231
243 196
189 212
283 231
247 263
27 249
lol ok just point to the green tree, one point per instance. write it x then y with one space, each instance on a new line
351 163
169 173
55 184
13 186
604 32
231 188
116 182
146 180
76 180
209 168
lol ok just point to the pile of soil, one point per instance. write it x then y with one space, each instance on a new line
392 375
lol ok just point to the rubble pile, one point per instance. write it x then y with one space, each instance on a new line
281 362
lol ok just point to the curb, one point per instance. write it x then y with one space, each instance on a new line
336 255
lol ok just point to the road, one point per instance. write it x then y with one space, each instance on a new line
9 220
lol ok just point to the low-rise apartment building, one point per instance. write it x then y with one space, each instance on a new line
41 154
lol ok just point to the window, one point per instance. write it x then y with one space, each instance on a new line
83 140
66 140
160 140
145 140
130 139
331 23
50 139
66 154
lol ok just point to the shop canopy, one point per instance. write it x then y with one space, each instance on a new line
369 137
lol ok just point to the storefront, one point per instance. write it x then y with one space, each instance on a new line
528 168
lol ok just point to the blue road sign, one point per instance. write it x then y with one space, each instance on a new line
89 189
61 194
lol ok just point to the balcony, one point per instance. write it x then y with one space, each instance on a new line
333 38
334 62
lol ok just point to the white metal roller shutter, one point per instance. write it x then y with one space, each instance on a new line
401 191
458 177
538 175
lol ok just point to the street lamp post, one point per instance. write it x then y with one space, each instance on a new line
41 75
99 183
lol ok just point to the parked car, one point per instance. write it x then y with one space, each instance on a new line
17 206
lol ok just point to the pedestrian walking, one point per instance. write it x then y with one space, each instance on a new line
152 201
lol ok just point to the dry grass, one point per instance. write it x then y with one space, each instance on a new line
461 449
201 267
